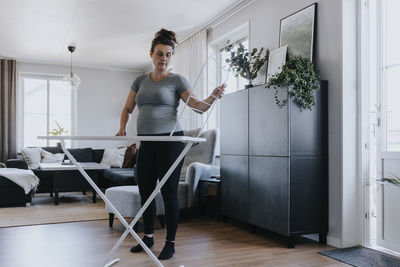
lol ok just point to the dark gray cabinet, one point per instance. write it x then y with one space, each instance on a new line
236 183
269 193
274 162
234 122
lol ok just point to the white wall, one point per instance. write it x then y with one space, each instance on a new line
352 180
100 98
264 18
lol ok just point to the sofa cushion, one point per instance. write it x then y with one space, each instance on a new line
17 163
81 154
120 176
53 149
130 156
114 157
32 156
48 157
97 155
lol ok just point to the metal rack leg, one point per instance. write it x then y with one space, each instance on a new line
109 261
151 197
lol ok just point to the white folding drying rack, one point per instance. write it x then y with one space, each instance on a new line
186 139
189 142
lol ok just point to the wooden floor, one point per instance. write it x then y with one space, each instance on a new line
200 242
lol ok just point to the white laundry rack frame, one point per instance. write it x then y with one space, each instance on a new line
186 139
189 142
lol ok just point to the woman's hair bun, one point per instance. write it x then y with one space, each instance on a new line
164 37
166 34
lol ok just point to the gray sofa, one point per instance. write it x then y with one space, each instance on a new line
11 194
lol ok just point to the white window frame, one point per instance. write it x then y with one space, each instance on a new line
21 102
220 63
382 74
239 33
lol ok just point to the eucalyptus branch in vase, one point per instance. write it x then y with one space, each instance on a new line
244 63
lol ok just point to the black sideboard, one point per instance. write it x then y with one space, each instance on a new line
274 162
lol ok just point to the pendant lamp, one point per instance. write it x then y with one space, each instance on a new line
72 78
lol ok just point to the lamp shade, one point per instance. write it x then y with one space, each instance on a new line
73 79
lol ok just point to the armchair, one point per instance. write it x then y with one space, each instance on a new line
198 164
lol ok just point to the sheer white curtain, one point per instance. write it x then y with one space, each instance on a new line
189 58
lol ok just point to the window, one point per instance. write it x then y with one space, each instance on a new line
391 71
233 83
46 101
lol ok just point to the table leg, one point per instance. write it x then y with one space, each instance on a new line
218 202
56 196
94 196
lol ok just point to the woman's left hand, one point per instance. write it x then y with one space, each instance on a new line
219 91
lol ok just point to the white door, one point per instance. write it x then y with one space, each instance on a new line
388 120
388 203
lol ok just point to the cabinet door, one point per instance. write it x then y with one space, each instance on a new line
234 187
308 128
307 194
268 124
234 123
269 193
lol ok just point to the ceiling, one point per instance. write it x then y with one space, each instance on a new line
108 33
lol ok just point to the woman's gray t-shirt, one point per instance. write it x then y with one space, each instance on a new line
158 103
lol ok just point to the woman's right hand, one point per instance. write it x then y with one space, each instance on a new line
121 133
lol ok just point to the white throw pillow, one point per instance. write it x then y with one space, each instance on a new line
32 156
114 157
48 157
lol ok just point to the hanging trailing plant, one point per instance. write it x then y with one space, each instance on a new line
299 75
245 63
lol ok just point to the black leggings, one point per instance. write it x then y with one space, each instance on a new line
153 161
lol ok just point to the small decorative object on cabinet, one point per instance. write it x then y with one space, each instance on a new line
274 168
276 60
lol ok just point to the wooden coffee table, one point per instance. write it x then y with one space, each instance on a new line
66 178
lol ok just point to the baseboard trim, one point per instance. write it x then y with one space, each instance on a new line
334 242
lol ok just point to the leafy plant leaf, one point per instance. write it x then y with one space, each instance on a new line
299 75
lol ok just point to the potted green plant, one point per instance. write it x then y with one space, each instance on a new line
393 179
300 76
59 131
245 63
